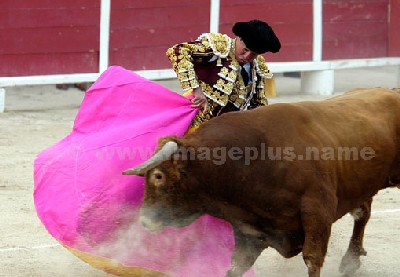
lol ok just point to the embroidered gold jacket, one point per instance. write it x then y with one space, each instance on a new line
209 62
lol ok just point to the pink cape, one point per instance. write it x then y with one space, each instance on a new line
87 204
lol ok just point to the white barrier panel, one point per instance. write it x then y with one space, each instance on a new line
319 82
77 78
2 97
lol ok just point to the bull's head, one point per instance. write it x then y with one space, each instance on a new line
169 199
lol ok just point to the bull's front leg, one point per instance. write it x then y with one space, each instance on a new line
317 218
351 260
247 249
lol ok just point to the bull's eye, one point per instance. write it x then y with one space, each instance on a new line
158 176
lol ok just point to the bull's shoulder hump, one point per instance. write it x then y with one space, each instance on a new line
369 94
281 112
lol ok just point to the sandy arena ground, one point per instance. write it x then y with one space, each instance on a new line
38 116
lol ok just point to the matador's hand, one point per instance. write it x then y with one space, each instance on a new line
199 99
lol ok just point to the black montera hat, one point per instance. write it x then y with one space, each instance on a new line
258 36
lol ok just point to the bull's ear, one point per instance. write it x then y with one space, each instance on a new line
165 153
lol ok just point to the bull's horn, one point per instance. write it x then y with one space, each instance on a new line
163 154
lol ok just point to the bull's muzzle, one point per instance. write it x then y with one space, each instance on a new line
151 225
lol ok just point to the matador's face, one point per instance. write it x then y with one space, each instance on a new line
242 53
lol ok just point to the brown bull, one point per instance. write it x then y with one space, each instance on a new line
280 174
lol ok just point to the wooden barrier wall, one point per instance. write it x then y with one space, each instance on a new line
56 37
